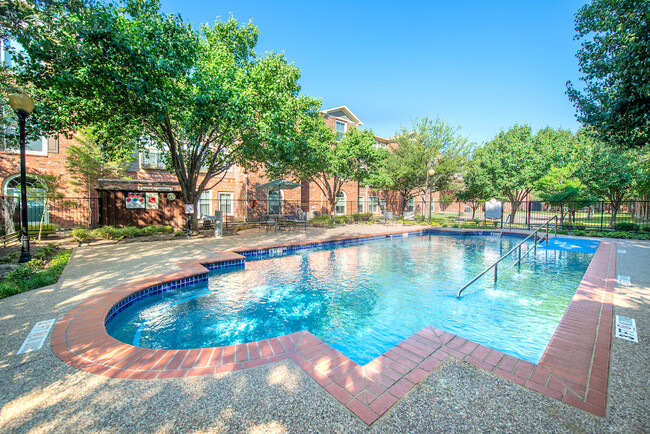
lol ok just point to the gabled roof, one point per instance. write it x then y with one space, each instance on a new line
345 110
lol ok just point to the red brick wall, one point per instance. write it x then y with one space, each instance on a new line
50 163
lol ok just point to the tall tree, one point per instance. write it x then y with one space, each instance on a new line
612 174
326 162
615 63
513 161
427 144
476 186
140 77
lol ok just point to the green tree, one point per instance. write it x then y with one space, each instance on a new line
140 77
324 161
513 161
615 63
87 164
427 144
612 174
476 186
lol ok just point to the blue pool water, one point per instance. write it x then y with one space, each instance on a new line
364 298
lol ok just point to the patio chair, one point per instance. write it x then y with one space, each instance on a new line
388 216
408 216
299 218
267 222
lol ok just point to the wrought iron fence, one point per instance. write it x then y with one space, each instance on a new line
50 215
47 215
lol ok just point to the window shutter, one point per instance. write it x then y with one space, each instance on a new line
52 145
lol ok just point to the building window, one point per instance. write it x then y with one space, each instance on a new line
225 203
274 202
410 207
205 203
360 204
340 129
431 206
382 204
153 159
340 203
372 203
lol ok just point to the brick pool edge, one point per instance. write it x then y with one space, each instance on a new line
574 368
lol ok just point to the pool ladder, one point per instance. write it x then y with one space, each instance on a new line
538 239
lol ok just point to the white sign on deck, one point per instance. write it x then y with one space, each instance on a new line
36 337
493 209
626 328
623 280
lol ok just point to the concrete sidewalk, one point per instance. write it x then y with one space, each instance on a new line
38 392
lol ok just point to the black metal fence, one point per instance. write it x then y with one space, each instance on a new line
50 215
47 215
593 215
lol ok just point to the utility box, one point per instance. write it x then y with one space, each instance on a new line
218 224
493 209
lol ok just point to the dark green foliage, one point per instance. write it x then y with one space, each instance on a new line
626 226
44 269
615 63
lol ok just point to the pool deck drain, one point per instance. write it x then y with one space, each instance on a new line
574 368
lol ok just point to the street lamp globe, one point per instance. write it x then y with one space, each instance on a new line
21 103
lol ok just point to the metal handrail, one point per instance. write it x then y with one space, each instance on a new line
518 246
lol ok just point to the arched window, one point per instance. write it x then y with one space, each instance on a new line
274 199
340 202
35 206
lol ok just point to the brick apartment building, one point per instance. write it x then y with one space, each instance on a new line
148 180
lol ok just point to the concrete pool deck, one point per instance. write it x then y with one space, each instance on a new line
45 394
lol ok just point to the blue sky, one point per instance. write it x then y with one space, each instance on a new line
479 65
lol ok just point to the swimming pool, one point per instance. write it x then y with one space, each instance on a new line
365 297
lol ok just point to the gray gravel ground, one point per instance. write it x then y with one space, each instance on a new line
38 393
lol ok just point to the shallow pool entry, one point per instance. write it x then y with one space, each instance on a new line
365 297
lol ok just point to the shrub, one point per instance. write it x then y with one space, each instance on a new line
626 226
130 232
105 232
342 219
81 235
36 273
361 217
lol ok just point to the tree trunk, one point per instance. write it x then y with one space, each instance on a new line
615 207
513 212
332 201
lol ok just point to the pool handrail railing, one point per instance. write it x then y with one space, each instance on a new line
518 246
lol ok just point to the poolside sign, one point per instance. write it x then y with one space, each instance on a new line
135 201
626 328
36 337
152 200
493 209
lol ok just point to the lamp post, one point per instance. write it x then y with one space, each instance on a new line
23 106
431 173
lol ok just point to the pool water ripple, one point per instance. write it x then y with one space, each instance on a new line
364 298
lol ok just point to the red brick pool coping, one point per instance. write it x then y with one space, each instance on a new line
574 368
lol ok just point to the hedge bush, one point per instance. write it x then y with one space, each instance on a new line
626 226
111 233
